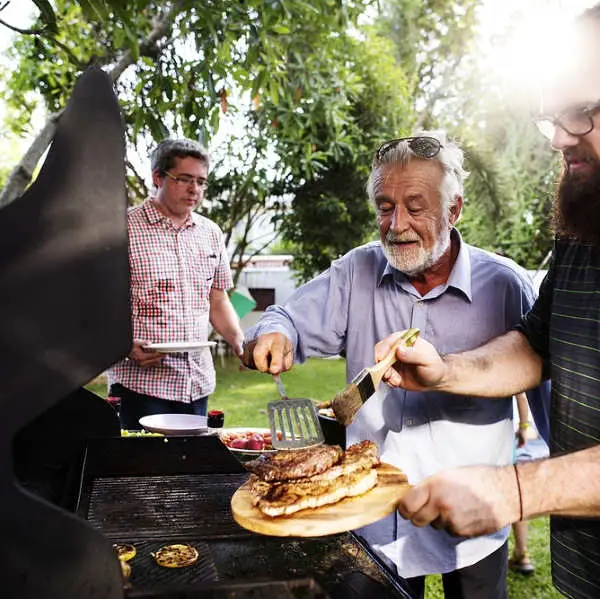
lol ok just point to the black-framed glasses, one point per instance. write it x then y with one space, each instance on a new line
577 121
422 147
187 180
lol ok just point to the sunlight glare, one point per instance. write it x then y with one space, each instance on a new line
528 53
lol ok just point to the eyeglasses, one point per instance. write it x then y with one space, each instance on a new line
577 121
187 180
422 147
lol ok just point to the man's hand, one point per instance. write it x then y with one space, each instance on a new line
469 501
144 358
420 367
237 346
271 353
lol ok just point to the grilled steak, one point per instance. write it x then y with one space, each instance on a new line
287 498
352 475
296 463
356 457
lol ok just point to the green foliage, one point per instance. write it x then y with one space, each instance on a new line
330 212
312 95
265 51
243 395
508 197
307 95
431 38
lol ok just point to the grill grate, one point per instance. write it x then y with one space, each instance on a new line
147 574
337 563
155 510
176 507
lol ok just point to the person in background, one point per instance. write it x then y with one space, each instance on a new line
520 560
420 274
558 339
179 273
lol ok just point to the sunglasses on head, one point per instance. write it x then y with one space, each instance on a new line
422 147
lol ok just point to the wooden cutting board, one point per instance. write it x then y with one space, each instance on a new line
348 514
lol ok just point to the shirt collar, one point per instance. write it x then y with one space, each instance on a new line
460 275
155 216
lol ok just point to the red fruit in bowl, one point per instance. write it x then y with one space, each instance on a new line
256 444
239 444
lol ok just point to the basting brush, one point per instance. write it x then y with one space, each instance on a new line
347 402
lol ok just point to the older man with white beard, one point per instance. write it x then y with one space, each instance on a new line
421 274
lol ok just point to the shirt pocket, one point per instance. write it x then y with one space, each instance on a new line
202 268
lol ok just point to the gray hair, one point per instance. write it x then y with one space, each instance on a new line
450 158
163 157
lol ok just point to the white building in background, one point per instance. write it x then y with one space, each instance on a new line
269 280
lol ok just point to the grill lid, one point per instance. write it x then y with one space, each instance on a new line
64 319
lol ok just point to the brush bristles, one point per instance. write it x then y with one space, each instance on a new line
346 403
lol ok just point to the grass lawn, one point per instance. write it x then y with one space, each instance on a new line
243 396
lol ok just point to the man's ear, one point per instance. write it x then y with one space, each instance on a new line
157 179
456 210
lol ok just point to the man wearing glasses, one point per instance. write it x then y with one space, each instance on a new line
420 274
179 272
559 339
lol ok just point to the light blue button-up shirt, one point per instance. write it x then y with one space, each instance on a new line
360 300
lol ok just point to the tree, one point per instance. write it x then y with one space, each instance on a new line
432 38
292 77
177 68
330 212
519 224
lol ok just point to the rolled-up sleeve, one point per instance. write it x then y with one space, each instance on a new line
535 323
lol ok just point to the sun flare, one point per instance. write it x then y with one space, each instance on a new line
521 49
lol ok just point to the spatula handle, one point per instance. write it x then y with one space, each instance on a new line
280 386
408 338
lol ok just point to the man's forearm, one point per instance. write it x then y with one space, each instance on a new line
224 319
504 366
568 485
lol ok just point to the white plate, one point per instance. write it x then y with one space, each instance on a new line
175 424
180 346
246 429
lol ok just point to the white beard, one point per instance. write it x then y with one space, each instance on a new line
416 260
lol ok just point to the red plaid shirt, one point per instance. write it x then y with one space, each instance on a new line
172 273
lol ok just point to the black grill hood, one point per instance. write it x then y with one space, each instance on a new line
64 319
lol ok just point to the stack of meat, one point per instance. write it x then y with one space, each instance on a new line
289 481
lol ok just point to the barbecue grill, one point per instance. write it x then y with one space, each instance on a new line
70 485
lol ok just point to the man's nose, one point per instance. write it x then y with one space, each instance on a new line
399 219
561 140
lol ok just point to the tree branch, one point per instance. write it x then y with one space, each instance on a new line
141 187
149 46
18 30
22 173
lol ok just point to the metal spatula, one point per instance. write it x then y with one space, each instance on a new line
294 423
